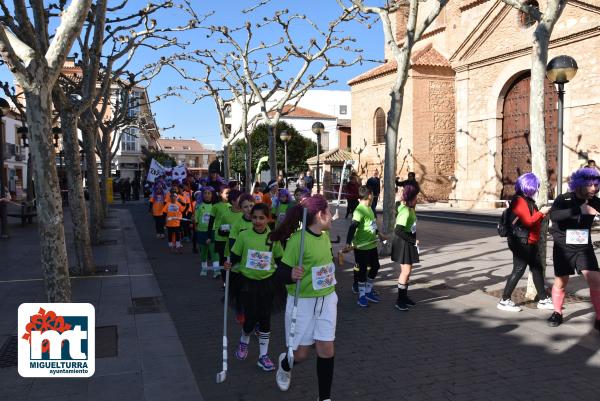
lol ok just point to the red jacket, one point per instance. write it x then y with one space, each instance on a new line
352 190
530 221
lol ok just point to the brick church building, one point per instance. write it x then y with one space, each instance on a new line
465 121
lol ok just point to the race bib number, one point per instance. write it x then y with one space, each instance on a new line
323 276
259 260
225 227
173 208
206 218
373 227
281 217
577 237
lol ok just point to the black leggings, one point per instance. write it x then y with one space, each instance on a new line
352 204
364 259
257 301
523 255
173 234
220 249
159 224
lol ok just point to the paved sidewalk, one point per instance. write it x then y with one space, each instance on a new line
150 363
455 345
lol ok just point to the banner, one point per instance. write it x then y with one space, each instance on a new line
155 171
179 172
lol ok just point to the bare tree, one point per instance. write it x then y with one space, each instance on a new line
539 59
36 61
401 52
264 65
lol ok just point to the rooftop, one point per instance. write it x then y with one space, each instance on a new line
331 156
290 111
182 146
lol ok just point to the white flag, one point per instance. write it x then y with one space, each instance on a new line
155 171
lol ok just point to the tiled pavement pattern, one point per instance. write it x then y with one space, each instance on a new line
150 364
455 345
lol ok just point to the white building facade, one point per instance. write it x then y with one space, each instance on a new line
14 167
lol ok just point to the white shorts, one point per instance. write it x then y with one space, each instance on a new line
315 321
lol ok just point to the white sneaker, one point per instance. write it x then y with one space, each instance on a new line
508 305
545 304
282 377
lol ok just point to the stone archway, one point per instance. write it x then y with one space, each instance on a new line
516 146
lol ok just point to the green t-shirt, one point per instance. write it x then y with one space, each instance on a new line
407 217
366 232
219 210
280 211
202 216
239 225
319 270
258 254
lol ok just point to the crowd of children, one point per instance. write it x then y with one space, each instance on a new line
261 238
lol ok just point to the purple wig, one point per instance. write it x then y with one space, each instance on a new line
283 192
409 195
584 177
527 184
293 217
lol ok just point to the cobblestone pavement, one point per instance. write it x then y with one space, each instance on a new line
455 345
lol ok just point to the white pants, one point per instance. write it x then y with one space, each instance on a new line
315 321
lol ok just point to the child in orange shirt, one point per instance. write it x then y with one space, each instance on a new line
157 203
173 212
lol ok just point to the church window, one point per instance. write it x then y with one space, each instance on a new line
379 124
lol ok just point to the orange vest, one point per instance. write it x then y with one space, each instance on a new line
157 207
174 214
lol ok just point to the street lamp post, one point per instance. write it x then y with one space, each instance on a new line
4 108
560 70
285 137
318 129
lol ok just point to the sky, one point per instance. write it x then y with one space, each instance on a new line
200 120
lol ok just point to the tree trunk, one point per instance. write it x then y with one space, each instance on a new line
539 60
96 210
249 181
389 171
272 131
105 161
49 203
83 245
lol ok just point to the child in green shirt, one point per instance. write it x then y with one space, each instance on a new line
202 216
215 225
256 255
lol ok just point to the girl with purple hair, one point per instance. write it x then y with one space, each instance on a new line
523 241
405 244
572 216
317 304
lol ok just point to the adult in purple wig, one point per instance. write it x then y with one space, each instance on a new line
523 242
572 216
317 290
405 244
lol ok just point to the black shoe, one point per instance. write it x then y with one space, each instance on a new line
401 305
555 320
355 288
409 302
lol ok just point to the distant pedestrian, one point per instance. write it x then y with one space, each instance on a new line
127 189
135 186
523 242
301 183
572 216
352 194
309 181
374 185
405 245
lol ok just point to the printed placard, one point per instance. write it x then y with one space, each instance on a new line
259 260
578 237
56 340
323 276
225 227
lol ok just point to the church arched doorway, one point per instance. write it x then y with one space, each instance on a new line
516 145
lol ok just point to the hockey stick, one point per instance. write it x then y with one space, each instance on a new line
297 294
222 375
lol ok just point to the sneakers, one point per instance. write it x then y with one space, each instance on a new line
282 377
362 301
355 288
401 305
508 305
216 273
372 297
555 320
545 304
265 363
203 271
242 351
